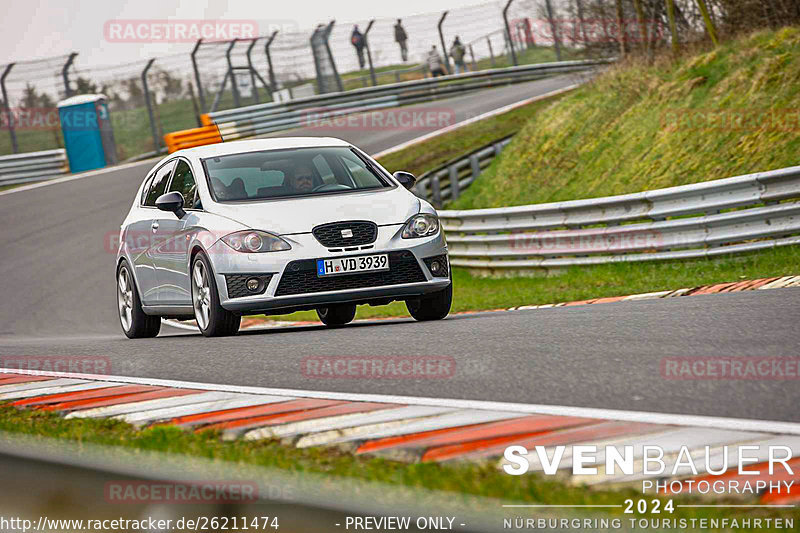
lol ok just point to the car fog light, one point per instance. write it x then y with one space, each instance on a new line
436 267
252 284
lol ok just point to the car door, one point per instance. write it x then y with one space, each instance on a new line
170 253
141 234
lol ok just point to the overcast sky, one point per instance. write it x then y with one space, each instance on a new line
34 29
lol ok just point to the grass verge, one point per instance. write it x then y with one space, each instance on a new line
476 479
725 112
472 293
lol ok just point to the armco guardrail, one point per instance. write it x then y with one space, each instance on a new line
33 166
103 483
739 214
448 180
266 118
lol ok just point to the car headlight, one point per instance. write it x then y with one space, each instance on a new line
421 225
253 241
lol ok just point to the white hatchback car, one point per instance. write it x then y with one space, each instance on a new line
275 226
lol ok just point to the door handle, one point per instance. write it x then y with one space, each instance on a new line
154 226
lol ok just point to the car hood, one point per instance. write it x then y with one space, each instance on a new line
301 215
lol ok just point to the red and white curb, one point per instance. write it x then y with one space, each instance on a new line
403 428
253 323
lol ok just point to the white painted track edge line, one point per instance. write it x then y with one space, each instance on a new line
673 419
488 114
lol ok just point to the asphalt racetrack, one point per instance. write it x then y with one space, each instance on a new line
57 286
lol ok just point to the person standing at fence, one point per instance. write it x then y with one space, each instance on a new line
458 52
400 36
435 63
357 40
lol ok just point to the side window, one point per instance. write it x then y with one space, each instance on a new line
159 184
324 170
362 176
183 182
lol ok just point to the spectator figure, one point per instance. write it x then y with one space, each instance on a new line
458 53
435 63
357 40
401 37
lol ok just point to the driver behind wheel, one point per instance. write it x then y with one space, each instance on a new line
301 179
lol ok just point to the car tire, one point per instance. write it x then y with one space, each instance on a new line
434 306
135 323
337 315
212 319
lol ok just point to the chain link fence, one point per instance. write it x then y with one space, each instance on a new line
149 98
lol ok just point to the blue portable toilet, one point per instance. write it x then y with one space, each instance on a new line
88 136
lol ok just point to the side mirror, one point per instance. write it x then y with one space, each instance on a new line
172 202
406 179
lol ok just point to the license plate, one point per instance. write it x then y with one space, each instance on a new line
352 265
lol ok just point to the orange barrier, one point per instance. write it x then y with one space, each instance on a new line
178 140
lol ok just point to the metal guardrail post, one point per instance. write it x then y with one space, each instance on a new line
149 104
369 53
436 191
200 94
234 87
553 29
508 33
11 132
475 164
252 70
444 46
454 190
273 84
65 74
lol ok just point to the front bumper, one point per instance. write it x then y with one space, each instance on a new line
305 248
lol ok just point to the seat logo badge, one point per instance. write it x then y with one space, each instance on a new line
347 233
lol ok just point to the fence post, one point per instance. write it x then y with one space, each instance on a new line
271 73
491 52
556 41
65 74
369 54
233 74
149 104
197 75
252 70
508 33
472 55
328 31
444 46
11 131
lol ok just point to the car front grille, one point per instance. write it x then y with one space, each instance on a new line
237 287
300 277
330 235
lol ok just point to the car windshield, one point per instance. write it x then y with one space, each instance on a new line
283 173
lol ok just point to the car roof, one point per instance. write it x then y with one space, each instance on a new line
256 145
